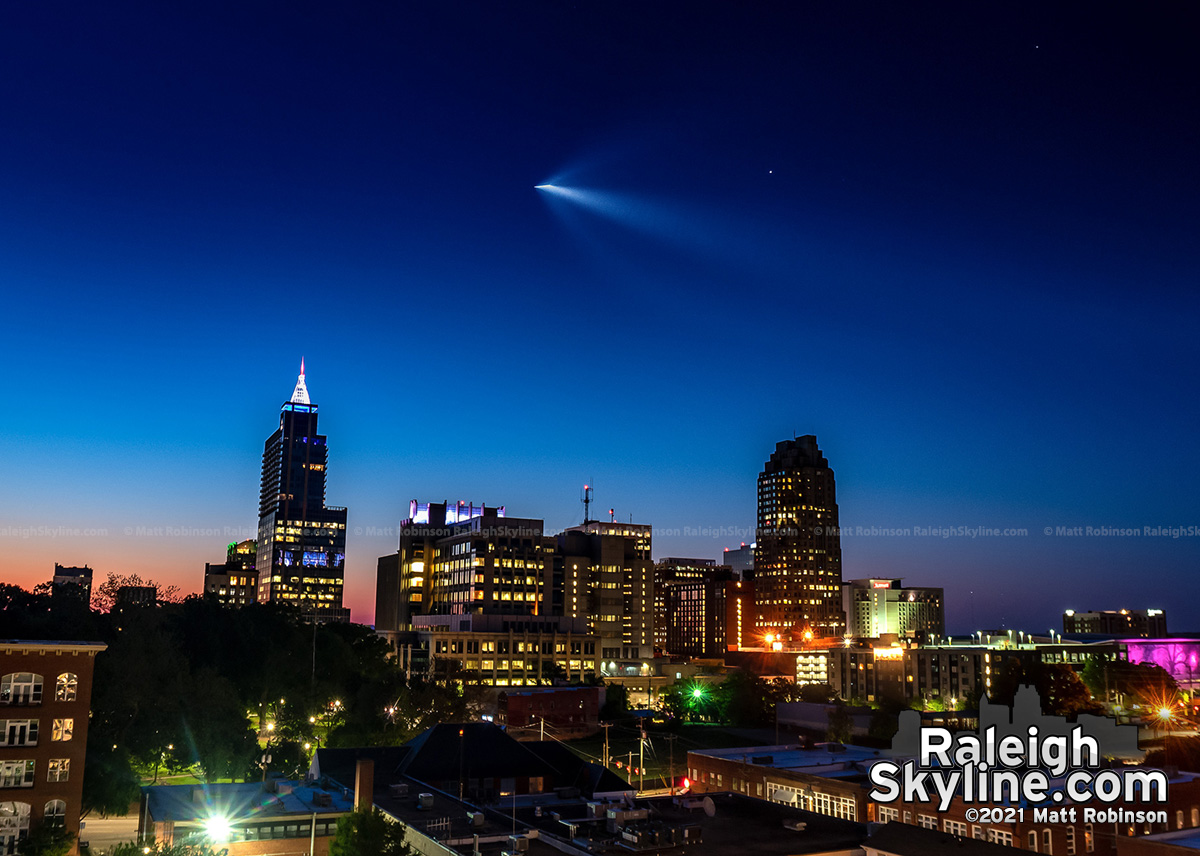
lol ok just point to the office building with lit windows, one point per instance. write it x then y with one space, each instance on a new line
235 582
882 607
301 551
511 650
798 552
1122 623
467 559
45 696
461 559
672 570
607 578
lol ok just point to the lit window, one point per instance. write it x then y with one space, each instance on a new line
58 769
66 686
63 729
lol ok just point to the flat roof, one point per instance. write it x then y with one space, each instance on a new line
797 758
740 826
241 802
446 819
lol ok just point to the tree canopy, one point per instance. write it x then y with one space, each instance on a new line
367 832
201 686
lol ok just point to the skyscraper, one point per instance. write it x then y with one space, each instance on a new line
301 553
798 553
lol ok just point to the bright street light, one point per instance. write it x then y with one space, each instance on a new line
217 828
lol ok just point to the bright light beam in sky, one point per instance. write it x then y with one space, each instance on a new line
689 230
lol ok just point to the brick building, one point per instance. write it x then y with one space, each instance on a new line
45 695
563 711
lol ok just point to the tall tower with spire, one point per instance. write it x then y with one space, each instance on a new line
301 540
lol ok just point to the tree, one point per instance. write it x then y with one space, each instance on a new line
367 832
616 702
1060 688
104 596
841 724
1181 752
885 720
1128 683
109 783
741 700
49 839
817 693
217 729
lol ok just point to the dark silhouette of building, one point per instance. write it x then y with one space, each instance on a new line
798 552
129 597
73 580
301 552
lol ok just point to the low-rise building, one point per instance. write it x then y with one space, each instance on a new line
948 672
829 778
511 650
561 712
247 818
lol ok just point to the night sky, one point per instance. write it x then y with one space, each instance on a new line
957 242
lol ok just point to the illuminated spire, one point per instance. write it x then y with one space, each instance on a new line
300 396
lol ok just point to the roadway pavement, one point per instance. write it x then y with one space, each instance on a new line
103 833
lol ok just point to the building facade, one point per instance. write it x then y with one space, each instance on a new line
798 553
607 578
235 581
510 650
462 559
741 560
466 559
829 778
1129 623
45 697
881 607
301 553
948 674
668 571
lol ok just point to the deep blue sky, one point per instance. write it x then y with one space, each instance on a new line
958 245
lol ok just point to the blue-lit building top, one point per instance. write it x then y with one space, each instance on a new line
301 540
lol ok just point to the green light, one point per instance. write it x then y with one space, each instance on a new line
697 693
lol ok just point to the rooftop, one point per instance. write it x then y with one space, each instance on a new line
738 826
906 840
243 801
1187 839
793 757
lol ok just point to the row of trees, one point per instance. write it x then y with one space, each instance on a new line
197 686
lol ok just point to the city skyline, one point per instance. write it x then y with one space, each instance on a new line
958 248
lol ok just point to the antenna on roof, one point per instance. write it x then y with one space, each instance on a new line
587 503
